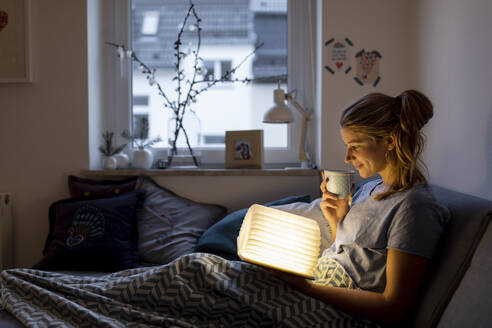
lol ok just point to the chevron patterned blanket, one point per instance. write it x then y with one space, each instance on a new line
196 290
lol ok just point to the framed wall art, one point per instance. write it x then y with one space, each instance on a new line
244 149
15 41
367 67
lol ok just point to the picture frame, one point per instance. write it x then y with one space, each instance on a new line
15 38
244 149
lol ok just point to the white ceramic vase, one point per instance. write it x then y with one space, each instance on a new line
142 158
109 163
122 160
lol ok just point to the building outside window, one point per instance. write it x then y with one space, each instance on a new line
230 31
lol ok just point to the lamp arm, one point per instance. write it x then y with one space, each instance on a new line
298 106
305 118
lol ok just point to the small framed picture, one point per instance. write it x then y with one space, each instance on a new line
244 149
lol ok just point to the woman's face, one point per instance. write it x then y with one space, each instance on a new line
367 155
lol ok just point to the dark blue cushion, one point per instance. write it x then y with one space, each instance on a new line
93 234
221 238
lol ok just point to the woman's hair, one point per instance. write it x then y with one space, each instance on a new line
377 116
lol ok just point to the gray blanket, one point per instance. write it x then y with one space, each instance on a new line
196 290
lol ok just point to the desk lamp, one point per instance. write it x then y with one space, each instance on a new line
281 113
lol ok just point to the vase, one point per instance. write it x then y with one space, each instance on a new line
185 154
122 160
109 163
142 158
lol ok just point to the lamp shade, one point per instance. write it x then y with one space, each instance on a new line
279 112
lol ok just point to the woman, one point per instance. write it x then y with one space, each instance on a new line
385 239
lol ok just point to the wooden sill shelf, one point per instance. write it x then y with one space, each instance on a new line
202 172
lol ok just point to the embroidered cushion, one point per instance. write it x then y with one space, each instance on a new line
93 234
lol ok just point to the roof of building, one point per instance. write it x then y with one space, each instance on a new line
222 21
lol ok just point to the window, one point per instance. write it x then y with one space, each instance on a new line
231 29
208 68
150 22
140 100
225 65
139 121
215 69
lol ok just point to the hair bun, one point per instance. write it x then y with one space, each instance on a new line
416 110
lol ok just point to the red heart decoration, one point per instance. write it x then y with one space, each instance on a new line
4 19
339 64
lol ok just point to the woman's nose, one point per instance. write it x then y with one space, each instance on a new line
348 156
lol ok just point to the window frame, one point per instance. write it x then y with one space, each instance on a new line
119 120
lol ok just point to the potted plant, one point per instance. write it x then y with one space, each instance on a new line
142 157
108 150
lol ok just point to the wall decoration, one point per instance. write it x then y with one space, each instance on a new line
339 54
367 67
15 56
244 149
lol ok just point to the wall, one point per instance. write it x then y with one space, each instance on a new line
236 192
380 25
44 124
452 51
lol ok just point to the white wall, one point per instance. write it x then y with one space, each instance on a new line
44 124
381 25
236 192
452 50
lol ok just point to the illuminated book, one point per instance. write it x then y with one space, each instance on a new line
279 240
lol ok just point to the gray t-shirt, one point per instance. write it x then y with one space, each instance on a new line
410 221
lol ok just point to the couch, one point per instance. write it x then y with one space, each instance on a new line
458 290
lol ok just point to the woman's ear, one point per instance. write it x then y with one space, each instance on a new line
390 142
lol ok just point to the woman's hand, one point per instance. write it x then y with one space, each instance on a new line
334 208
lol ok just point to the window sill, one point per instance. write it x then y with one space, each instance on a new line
202 172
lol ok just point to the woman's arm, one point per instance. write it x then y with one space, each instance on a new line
404 275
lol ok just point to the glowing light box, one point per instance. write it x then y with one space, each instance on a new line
279 240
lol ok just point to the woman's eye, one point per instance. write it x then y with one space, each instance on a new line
354 147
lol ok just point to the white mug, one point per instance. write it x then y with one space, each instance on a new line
339 182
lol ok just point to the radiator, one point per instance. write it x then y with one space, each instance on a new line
6 232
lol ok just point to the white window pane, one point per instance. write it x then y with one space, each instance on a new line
230 31
150 22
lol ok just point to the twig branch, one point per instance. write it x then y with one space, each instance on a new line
146 70
178 55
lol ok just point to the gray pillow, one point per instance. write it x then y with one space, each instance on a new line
169 225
